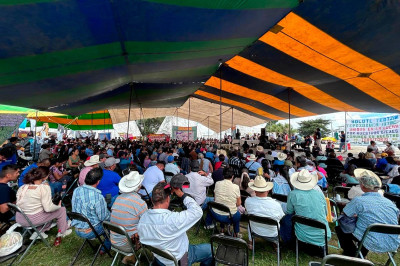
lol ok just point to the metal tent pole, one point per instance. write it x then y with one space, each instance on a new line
232 129
188 121
104 121
345 130
208 127
35 141
220 103
290 131
129 115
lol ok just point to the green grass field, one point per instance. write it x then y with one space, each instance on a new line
265 255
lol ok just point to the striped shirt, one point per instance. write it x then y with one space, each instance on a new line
126 212
89 201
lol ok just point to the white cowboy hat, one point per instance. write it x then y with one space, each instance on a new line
260 148
282 156
259 184
304 180
94 159
360 172
252 157
131 182
221 151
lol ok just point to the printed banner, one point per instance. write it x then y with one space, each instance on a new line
181 133
362 131
158 137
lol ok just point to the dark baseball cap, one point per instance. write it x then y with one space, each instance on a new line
178 181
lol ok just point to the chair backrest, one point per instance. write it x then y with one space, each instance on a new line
162 253
169 174
118 229
146 197
280 197
263 220
312 223
340 260
126 171
82 218
229 250
220 207
340 189
393 197
16 209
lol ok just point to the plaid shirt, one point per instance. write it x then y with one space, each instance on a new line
237 164
89 201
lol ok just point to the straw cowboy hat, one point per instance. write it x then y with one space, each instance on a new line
259 184
221 151
304 180
94 159
252 157
374 181
131 182
260 148
282 156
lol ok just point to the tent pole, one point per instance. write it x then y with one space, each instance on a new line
129 115
34 142
220 103
290 131
91 127
104 121
142 118
188 121
208 127
345 130
232 129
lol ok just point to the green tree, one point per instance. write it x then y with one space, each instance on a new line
274 126
150 125
308 127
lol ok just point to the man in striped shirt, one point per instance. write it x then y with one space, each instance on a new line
126 212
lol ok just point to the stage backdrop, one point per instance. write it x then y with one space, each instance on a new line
362 131
181 133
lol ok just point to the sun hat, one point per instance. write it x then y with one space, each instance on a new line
282 156
130 182
111 161
260 148
252 157
384 154
221 151
269 157
95 159
288 163
304 180
170 159
195 166
260 185
367 178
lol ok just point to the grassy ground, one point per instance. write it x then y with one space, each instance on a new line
62 255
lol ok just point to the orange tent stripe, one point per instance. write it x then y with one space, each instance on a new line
307 43
258 71
238 104
257 96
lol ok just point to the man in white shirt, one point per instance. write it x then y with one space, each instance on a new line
152 177
264 206
163 229
199 181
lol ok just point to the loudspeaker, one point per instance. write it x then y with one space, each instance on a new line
262 131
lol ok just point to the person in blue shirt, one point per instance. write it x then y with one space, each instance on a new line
252 165
89 152
45 162
369 208
110 180
381 165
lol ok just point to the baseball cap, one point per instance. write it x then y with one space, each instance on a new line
111 161
178 181
170 159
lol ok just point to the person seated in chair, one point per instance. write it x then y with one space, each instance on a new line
126 211
7 194
163 229
109 181
264 206
367 209
88 201
305 201
227 194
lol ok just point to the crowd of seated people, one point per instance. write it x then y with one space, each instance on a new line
125 182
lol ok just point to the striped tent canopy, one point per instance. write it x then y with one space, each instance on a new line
279 56
99 120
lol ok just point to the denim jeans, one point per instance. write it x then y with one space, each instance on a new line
55 187
100 230
224 219
197 253
205 203
342 145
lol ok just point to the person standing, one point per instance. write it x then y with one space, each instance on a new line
342 142
317 137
